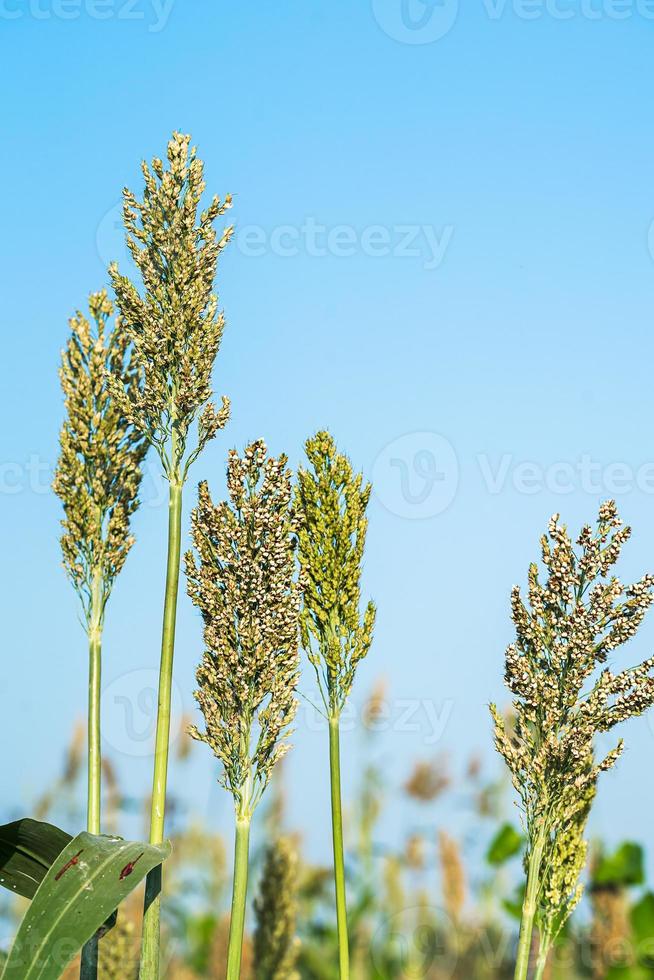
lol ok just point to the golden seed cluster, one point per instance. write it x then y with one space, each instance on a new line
175 327
242 578
563 696
99 469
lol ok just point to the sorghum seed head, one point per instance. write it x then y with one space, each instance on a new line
331 501
99 469
276 946
566 628
241 577
174 326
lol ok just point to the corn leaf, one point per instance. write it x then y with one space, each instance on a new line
506 843
27 850
626 866
86 883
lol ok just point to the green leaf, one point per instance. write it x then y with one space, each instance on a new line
27 850
513 906
199 933
642 927
506 844
629 973
86 883
624 867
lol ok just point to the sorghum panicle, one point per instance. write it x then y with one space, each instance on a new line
332 501
244 585
175 326
453 877
99 469
565 630
276 946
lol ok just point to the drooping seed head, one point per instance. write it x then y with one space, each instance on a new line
563 695
174 324
98 474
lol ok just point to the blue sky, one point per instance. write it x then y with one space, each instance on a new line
443 253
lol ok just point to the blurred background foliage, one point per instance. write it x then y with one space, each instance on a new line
434 907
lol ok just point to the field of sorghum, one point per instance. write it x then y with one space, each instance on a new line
274 572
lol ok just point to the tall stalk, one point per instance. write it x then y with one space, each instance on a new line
332 500
150 953
89 961
175 330
241 576
94 779
98 478
239 895
529 907
337 840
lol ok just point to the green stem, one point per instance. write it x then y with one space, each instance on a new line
541 963
95 677
529 907
544 946
239 893
89 964
150 942
337 837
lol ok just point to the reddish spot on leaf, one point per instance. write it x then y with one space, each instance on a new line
127 870
69 864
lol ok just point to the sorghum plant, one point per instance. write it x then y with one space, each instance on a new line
175 329
331 501
243 583
566 630
98 477
275 943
